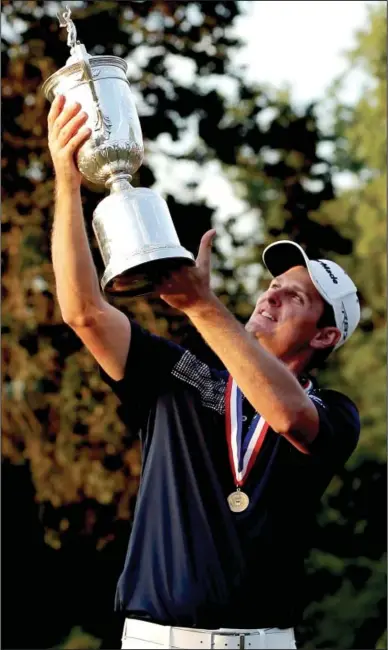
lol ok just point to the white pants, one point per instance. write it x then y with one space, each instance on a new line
141 634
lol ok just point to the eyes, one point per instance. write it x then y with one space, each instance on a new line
294 295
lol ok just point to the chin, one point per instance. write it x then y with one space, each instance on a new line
255 332
265 338
261 337
249 327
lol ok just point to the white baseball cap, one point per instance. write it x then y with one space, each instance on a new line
329 279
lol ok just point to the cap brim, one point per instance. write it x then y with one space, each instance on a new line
281 256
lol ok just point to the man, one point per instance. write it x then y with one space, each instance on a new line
227 496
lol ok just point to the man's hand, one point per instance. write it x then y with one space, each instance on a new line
66 133
189 287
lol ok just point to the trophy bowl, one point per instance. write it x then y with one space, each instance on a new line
116 143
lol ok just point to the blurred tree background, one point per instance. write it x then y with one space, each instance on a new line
69 469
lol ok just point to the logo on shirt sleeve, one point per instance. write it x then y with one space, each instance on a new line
318 400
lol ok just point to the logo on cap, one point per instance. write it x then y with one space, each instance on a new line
345 321
329 271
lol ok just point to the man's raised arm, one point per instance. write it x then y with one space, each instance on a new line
103 329
266 382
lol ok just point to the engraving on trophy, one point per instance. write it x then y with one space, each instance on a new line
102 160
150 248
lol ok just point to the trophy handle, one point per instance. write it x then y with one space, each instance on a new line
102 122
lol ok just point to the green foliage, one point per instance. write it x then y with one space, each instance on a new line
360 366
78 639
382 642
346 621
57 413
361 212
59 418
347 568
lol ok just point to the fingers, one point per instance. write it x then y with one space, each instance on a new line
204 252
72 127
67 129
67 113
76 141
56 109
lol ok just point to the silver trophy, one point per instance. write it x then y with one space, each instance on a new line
133 226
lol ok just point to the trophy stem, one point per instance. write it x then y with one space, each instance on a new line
119 182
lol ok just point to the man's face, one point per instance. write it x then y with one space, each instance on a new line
286 315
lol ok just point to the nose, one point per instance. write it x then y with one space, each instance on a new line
275 297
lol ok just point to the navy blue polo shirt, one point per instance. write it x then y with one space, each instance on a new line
190 560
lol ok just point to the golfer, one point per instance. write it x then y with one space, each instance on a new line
234 462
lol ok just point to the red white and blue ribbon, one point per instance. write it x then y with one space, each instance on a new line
242 456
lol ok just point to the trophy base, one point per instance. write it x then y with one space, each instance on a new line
142 279
138 241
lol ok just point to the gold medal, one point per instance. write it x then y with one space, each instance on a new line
238 501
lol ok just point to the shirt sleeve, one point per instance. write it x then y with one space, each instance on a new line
156 366
339 427
147 373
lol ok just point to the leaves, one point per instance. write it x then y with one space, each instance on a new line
59 419
348 226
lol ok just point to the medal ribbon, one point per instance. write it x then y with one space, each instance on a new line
242 463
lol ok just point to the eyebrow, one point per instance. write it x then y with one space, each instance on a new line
295 287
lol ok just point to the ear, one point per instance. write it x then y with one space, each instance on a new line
327 337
